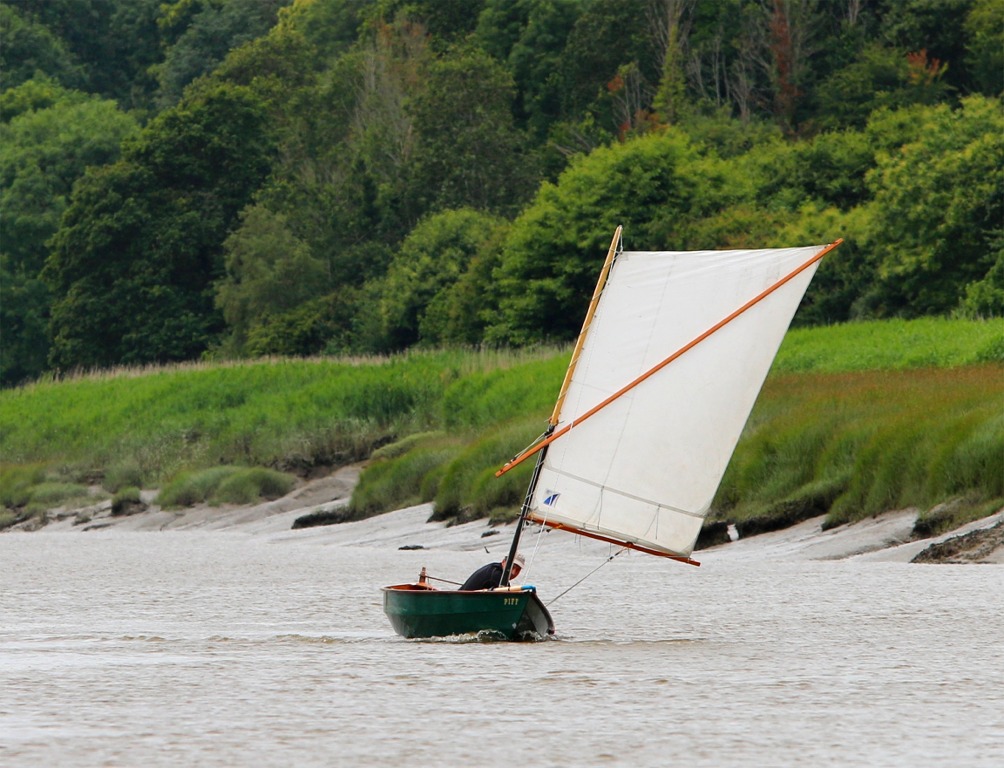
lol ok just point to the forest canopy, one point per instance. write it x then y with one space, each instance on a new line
235 178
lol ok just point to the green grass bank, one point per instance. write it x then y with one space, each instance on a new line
854 420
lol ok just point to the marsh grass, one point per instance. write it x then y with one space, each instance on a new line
489 398
854 420
123 474
193 487
897 345
954 513
854 445
279 413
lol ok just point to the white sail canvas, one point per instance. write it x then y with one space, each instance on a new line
644 469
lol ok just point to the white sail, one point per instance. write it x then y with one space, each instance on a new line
643 469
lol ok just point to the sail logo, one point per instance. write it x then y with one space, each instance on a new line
551 498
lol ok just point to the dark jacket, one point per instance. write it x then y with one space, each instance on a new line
486 577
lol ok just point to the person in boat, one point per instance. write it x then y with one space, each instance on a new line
490 576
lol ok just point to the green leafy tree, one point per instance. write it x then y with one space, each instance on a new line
843 276
371 145
712 45
209 31
937 209
41 92
938 28
828 169
459 314
670 99
53 137
529 36
500 25
24 303
725 136
140 246
607 35
277 67
446 20
879 77
555 247
269 272
316 326
985 46
468 152
133 48
42 153
110 43
28 48
339 181
985 298
330 27
416 303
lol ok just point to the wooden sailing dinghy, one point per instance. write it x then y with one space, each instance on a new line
672 354
509 613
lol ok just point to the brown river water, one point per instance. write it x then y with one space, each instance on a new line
236 648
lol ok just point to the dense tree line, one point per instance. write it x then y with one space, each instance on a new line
246 177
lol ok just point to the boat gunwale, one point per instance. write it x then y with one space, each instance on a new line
423 588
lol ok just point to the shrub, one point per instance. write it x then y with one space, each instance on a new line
52 494
190 488
219 485
403 480
17 481
470 490
247 486
127 501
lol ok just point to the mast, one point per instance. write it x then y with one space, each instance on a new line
523 512
553 421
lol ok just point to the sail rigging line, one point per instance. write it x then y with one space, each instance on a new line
536 547
611 557
659 366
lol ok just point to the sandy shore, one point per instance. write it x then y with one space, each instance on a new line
883 538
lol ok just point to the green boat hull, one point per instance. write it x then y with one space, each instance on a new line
416 610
